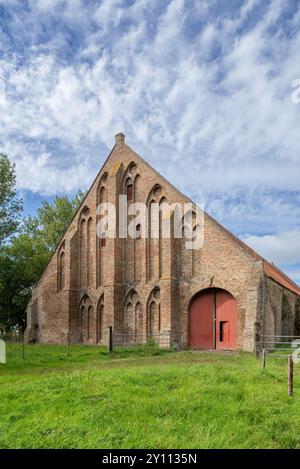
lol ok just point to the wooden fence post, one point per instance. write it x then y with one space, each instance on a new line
290 376
110 339
263 359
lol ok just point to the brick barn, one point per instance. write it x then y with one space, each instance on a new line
222 296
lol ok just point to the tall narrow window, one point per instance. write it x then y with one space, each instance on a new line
100 323
61 267
129 192
89 318
62 271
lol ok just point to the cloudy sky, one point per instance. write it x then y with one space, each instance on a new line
202 90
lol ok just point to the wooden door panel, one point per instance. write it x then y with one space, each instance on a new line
226 317
202 322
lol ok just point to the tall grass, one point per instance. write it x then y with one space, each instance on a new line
141 398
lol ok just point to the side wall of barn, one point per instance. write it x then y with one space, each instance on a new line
281 312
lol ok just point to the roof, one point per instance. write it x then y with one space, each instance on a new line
276 274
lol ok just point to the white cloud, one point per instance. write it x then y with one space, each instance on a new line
108 12
201 92
45 5
282 248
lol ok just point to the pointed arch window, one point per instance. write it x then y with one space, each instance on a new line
133 318
85 318
153 313
61 267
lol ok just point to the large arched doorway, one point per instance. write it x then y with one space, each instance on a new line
212 323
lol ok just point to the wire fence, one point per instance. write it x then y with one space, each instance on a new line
15 337
114 339
280 346
127 339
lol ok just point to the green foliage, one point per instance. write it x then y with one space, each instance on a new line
91 399
52 219
23 260
21 264
10 204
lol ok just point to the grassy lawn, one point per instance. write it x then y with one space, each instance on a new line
145 399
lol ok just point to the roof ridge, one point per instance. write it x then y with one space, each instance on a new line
294 287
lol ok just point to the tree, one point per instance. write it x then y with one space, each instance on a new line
52 219
10 204
21 264
24 258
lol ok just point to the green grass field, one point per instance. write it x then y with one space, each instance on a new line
145 399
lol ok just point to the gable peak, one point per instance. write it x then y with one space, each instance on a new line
119 138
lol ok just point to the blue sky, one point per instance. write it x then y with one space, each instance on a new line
202 90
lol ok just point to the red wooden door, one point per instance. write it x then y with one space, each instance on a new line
202 321
213 316
226 314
